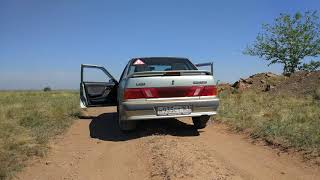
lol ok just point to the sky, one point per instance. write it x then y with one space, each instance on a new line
43 42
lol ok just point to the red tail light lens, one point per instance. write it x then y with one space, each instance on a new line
133 93
165 92
209 91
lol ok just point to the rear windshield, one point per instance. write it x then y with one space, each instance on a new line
159 64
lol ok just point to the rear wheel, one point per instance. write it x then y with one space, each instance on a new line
124 125
200 122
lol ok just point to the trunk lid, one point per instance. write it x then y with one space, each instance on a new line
170 84
163 79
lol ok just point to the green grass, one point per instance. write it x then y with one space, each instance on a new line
282 120
28 119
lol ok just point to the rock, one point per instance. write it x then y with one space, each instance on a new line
269 74
240 85
249 80
225 87
263 81
48 162
269 87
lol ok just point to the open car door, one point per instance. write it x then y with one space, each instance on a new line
207 65
98 87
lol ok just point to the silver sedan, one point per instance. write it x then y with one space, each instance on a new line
153 88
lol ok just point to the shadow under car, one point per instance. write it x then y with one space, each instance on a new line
105 127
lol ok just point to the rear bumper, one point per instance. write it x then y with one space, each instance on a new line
146 109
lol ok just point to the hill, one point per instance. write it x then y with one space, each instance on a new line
301 83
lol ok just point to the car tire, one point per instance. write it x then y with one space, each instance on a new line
200 122
125 126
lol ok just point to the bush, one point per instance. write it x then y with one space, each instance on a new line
46 89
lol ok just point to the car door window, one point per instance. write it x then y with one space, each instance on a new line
98 87
95 75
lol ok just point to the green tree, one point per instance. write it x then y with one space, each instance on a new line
289 40
312 66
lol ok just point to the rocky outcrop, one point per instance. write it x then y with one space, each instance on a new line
299 83
260 82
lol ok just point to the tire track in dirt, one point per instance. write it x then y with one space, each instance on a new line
179 158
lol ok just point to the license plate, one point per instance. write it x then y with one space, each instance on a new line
173 110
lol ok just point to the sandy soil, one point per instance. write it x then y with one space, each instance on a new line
166 149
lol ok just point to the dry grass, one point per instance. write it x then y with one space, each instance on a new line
283 120
317 93
28 119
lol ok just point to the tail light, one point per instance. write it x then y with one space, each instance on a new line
133 93
165 92
209 91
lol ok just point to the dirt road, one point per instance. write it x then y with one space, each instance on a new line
167 149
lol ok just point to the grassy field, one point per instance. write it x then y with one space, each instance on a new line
283 120
28 119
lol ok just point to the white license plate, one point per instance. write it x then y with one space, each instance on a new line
173 110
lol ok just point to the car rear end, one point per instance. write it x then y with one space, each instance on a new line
159 88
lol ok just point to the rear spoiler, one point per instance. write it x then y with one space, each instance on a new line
169 73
